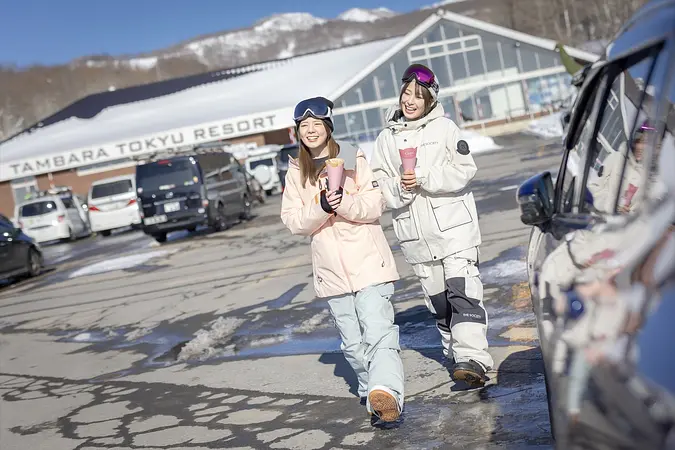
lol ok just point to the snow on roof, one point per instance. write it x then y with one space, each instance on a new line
269 90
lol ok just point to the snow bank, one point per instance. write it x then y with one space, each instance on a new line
478 143
121 263
547 127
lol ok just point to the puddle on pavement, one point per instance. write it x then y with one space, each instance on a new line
278 327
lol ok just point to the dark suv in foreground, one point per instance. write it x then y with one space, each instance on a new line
601 258
182 192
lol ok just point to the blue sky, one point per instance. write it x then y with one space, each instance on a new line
56 31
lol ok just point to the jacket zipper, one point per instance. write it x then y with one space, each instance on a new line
414 212
376 247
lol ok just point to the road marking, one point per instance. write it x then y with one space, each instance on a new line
509 188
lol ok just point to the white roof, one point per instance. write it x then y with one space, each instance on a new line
257 102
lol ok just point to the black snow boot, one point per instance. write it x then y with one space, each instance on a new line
470 372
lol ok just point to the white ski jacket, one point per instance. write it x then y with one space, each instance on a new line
438 218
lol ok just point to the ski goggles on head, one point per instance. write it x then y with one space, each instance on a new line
422 74
644 129
317 107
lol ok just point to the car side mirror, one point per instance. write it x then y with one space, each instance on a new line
565 119
535 199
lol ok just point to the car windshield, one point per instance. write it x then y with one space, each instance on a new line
167 174
37 209
112 188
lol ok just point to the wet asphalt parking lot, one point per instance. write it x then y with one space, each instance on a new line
215 340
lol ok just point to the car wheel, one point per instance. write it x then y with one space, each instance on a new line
247 213
34 263
220 222
192 229
161 237
105 233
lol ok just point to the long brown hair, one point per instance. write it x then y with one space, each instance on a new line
429 102
307 169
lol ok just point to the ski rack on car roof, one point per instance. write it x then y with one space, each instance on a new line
187 150
61 191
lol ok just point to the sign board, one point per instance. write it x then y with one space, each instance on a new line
132 148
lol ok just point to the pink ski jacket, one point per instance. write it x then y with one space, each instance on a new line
349 248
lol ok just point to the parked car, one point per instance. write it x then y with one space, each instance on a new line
186 190
600 258
262 163
20 255
54 214
112 204
289 150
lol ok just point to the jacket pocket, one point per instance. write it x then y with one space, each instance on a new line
450 212
404 225
376 243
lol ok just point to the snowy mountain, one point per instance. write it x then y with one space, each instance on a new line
288 22
275 37
366 15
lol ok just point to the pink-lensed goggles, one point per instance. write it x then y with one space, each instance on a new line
422 74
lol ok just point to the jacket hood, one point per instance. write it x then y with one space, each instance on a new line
348 152
397 122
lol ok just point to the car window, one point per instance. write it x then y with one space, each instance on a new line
37 209
574 163
68 202
595 167
111 188
166 174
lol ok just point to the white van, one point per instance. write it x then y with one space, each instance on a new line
261 162
112 204
51 217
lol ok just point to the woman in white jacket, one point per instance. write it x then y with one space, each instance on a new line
435 218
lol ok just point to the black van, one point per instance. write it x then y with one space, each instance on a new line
289 150
206 187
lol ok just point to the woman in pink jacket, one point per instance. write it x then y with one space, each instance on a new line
352 262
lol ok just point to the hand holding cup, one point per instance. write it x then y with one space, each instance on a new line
334 198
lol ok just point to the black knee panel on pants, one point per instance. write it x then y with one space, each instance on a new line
443 311
463 308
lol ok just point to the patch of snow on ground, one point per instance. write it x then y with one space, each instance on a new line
547 127
506 271
82 337
121 263
204 344
478 143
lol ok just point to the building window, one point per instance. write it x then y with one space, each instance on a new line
384 82
440 68
417 54
492 58
458 67
450 30
475 60
340 125
448 104
22 188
